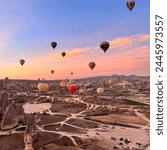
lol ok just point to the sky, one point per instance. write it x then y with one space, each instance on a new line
27 29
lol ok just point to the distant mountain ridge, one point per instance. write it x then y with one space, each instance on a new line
115 76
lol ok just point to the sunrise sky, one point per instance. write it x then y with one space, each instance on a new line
78 26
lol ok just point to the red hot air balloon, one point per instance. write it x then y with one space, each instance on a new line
72 88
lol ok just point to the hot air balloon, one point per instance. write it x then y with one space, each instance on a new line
92 65
100 91
63 83
54 44
63 54
6 78
77 85
81 91
42 87
22 61
71 73
87 86
52 71
72 88
130 4
81 85
104 46
110 82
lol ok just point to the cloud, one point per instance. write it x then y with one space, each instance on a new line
125 42
77 52
134 59
70 54
127 61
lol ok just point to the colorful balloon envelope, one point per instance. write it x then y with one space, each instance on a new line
81 91
42 87
110 82
72 88
100 91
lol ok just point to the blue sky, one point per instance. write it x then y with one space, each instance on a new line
28 27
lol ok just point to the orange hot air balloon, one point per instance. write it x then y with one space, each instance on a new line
72 88
110 82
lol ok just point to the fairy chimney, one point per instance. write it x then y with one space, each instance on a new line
28 140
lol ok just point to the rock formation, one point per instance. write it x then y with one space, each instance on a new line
28 140
4 102
8 121
30 133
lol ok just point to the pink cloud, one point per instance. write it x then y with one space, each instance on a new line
124 42
133 60
126 62
77 52
71 53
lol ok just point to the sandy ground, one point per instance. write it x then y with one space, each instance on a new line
77 122
111 118
66 127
